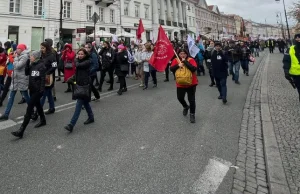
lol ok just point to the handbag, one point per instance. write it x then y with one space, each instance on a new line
124 67
49 80
69 65
82 92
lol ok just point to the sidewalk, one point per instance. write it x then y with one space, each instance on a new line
284 109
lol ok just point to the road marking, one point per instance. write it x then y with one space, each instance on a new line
212 177
10 123
73 103
7 124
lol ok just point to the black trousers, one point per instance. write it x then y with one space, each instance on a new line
93 88
153 75
167 72
211 75
111 77
5 89
35 101
191 91
297 84
271 49
122 82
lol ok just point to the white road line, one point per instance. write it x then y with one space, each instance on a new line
73 103
7 124
10 123
212 177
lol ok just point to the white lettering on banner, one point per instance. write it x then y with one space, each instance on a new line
54 64
35 74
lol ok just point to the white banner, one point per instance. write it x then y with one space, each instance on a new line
193 49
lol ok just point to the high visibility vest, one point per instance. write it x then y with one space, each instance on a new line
9 51
295 65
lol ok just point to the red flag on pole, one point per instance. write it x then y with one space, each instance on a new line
140 30
163 51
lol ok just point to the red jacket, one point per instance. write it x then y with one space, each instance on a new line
194 78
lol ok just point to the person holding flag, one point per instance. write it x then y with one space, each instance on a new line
184 68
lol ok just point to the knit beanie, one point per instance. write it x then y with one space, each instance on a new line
36 54
22 47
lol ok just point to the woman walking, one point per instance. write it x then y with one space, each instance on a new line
82 90
148 69
186 84
37 75
122 67
68 56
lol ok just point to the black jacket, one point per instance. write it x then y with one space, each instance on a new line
37 76
245 53
107 57
219 64
233 54
50 62
121 60
83 71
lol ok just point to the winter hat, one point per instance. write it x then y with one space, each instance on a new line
36 54
297 35
49 41
121 46
22 47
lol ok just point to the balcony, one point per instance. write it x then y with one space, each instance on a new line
108 2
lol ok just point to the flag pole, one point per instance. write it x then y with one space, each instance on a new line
177 56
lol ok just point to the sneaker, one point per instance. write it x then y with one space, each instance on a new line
224 101
185 111
192 118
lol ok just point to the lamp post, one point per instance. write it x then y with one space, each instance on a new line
286 20
281 23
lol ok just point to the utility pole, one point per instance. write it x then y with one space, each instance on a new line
60 25
286 20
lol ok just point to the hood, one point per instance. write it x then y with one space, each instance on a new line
68 46
49 41
3 58
25 52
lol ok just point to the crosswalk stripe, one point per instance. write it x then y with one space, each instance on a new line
210 180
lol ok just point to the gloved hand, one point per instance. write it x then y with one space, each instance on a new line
287 76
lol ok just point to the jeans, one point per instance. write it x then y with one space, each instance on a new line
222 87
256 52
78 109
245 65
33 102
11 100
235 70
153 75
200 67
191 91
48 94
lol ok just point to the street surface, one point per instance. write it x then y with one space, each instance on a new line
139 144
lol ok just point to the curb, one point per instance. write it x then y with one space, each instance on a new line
275 172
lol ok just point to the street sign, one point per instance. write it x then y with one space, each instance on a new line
95 17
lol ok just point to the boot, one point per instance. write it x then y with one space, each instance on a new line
54 98
41 123
69 127
34 116
19 133
3 118
89 121
185 111
192 118
58 79
124 90
68 90
1 103
120 92
50 111
224 101
166 80
100 89
110 88
22 101
212 84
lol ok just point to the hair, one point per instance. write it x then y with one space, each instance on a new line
106 42
89 44
148 47
84 51
183 50
47 46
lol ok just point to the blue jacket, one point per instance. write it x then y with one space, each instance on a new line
200 55
94 64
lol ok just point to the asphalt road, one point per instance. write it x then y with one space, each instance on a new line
140 143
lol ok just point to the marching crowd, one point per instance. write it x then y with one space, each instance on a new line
33 73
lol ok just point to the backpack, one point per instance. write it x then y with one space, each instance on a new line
184 76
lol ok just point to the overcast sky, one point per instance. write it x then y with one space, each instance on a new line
256 10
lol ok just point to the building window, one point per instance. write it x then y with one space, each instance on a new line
112 16
137 11
126 8
190 20
38 7
88 12
193 24
67 9
14 6
101 14
146 12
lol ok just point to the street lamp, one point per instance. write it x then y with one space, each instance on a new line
287 23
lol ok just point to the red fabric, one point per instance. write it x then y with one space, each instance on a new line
68 56
140 30
163 51
194 80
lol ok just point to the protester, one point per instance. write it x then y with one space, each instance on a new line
122 67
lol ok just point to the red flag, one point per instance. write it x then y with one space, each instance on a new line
140 30
163 51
